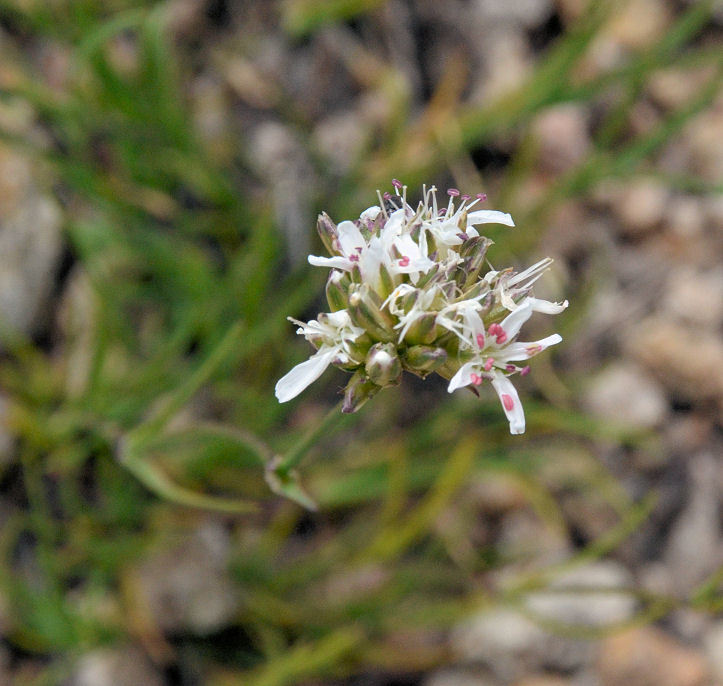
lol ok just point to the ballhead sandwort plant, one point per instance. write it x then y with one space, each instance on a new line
411 289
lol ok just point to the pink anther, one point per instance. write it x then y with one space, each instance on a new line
404 262
466 196
525 370
481 340
501 337
396 183
510 367
489 364
481 197
476 379
452 192
507 402
534 349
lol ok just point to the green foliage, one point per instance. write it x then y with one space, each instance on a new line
170 391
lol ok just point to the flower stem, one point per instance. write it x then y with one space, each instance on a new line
292 458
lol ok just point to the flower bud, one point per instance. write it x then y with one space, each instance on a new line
336 290
424 358
327 232
365 311
386 280
423 330
358 391
383 365
476 251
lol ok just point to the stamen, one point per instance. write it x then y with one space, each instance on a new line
481 197
387 195
466 196
489 363
396 183
452 192
501 337
510 368
481 340
404 262
353 258
476 379
525 370
508 402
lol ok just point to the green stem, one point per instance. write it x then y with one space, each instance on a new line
297 453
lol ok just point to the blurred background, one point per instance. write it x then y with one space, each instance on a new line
161 168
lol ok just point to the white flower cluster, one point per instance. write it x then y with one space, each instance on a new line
407 291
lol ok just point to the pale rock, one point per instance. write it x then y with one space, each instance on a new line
648 657
625 394
187 587
340 137
458 677
664 347
30 244
507 64
713 644
115 667
641 206
695 296
526 13
639 23
695 546
593 596
281 159
685 217
562 133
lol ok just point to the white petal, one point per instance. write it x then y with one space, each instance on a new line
304 374
513 322
516 352
394 224
547 307
370 213
350 238
510 403
463 377
336 262
489 217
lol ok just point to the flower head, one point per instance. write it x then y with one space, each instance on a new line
407 292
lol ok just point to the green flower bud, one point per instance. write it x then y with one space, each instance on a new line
423 330
359 347
365 311
358 391
336 290
327 232
424 359
383 365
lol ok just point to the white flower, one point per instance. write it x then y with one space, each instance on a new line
333 336
493 353
408 294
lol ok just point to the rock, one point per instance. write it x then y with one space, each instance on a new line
511 645
567 601
30 244
527 13
713 643
625 394
503 640
507 63
641 206
648 657
456 677
694 296
187 588
562 133
695 545
686 218
115 667
704 136
340 137
282 161
639 23
690 367
543 680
